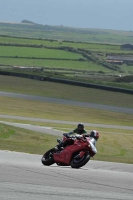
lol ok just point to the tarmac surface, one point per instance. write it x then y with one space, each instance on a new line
22 176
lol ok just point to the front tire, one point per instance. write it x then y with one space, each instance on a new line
78 162
48 158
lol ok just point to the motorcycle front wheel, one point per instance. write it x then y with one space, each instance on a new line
78 162
48 158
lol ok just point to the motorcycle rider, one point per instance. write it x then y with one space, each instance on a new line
79 130
94 136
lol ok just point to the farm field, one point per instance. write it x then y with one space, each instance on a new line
66 33
94 47
71 55
56 64
37 53
68 60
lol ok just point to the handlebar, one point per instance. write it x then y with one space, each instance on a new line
66 135
79 137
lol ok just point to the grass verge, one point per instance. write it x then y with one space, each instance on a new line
21 140
116 148
37 109
64 91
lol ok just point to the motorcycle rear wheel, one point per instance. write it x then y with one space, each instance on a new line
79 162
47 158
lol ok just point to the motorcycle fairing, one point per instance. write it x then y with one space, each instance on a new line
65 156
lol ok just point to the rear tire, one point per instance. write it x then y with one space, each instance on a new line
48 158
79 162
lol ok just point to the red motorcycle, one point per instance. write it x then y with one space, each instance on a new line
75 155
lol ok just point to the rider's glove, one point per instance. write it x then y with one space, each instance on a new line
86 135
79 137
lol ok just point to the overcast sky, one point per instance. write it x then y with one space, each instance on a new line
106 14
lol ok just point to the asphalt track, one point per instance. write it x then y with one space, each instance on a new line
68 102
23 177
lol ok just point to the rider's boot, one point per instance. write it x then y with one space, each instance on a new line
59 147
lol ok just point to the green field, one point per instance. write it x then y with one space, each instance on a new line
64 59
48 43
94 47
66 33
37 53
56 64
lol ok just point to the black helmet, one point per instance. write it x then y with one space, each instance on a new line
81 126
94 134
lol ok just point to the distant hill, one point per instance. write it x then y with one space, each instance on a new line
33 30
27 22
